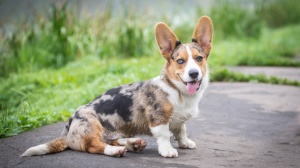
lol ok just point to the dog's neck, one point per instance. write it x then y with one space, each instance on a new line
168 81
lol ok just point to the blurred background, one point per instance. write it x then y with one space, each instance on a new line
56 55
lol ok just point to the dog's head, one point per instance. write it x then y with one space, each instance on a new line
186 64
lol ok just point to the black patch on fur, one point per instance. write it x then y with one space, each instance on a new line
150 98
69 124
121 103
194 40
177 43
141 109
113 91
151 118
70 120
86 131
106 124
156 106
78 117
110 92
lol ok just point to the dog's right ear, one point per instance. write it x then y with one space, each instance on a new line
166 40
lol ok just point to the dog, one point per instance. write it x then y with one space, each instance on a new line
158 107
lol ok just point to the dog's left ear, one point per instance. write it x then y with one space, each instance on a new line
203 34
166 40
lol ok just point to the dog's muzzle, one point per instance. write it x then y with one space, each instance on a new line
192 86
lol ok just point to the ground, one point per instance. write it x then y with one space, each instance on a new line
240 125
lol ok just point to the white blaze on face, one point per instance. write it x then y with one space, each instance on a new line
192 84
191 64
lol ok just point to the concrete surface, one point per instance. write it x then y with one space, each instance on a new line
290 73
240 125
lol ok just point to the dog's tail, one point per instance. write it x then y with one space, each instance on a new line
54 146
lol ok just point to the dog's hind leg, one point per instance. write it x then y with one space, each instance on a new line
94 145
131 144
85 134
89 139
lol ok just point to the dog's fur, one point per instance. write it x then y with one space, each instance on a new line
157 107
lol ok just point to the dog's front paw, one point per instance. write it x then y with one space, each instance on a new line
188 144
168 152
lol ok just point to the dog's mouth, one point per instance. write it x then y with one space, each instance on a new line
192 86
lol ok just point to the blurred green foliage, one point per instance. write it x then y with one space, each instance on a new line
233 20
46 44
49 68
279 13
54 41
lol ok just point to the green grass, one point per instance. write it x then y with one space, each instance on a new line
273 48
31 100
49 69
224 75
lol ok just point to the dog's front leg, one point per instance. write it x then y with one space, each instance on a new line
181 136
162 135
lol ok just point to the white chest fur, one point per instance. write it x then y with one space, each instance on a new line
184 106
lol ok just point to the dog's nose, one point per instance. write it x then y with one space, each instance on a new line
193 73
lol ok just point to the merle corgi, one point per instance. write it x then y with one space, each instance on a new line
158 107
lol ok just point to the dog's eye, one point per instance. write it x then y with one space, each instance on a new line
180 61
199 58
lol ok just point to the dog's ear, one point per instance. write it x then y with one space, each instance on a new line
203 34
166 40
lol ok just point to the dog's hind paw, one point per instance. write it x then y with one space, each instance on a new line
116 151
138 145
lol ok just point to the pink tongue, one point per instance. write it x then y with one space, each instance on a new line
192 87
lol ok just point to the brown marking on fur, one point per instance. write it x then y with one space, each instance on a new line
161 111
147 110
93 142
172 68
94 145
202 64
114 143
171 84
57 145
131 129
166 107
